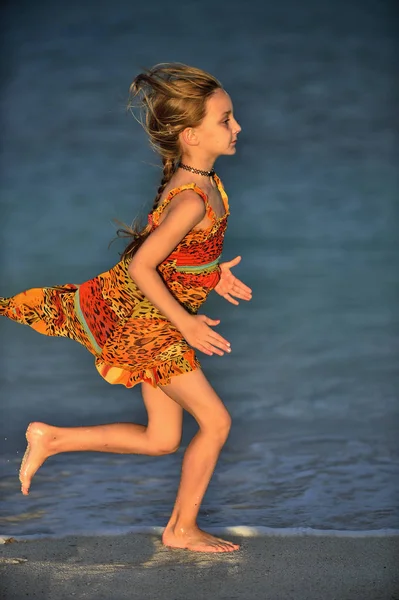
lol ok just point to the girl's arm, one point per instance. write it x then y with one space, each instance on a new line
185 212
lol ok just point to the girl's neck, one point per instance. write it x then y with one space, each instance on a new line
200 172
198 164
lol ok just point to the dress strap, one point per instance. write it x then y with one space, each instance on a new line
153 217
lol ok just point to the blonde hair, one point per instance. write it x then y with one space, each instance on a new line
170 97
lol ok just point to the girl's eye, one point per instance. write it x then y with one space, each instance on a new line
226 121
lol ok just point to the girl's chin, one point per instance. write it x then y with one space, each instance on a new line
230 150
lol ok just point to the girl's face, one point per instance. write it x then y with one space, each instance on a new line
218 131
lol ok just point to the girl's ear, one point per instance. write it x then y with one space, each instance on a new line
189 136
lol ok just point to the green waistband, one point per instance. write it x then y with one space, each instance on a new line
198 268
83 322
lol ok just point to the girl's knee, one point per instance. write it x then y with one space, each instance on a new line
219 426
226 422
162 446
226 425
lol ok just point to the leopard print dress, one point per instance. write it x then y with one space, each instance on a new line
131 340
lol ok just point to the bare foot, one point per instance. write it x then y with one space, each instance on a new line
38 436
196 540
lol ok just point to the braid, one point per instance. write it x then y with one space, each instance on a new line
134 231
168 170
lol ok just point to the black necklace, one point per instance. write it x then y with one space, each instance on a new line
197 171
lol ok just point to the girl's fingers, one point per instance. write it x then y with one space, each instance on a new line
219 342
214 345
241 292
242 287
210 350
234 261
242 295
231 299
205 349
216 350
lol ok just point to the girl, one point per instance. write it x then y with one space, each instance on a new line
140 319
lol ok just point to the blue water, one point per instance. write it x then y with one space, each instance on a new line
312 381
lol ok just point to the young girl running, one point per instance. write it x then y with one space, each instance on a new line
140 319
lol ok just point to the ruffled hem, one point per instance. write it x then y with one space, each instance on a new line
161 374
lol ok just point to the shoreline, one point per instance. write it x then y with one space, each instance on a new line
246 531
301 566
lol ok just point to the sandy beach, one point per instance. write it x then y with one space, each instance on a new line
137 566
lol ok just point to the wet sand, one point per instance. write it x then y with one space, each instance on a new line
137 567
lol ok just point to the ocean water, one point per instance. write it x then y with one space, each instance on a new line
312 381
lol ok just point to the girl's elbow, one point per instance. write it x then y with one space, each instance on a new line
133 268
136 268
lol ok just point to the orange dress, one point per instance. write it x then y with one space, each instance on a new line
131 340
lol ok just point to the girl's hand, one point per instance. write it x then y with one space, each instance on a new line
229 285
199 335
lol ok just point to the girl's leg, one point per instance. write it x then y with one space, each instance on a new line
195 394
161 436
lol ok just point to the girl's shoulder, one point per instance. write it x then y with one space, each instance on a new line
189 195
178 182
186 191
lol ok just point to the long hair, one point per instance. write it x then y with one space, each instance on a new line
170 97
